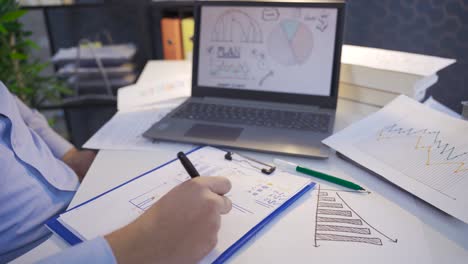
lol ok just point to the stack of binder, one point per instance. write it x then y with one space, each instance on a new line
377 76
177 37
91 67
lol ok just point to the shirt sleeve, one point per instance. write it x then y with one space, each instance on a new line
93 251
38 123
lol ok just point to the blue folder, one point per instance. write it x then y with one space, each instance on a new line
62 231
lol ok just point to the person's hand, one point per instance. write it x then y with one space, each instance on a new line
79 161
182 227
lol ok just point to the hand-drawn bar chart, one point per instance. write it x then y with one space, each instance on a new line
336 221
146 199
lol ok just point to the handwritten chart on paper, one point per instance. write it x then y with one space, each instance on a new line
419 149
365 226
264 194
337 221
337 225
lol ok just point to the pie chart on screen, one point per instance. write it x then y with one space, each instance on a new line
290 42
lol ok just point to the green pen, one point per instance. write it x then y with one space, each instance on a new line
317 174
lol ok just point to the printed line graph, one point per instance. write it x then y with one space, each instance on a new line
445 148
422 154
460 166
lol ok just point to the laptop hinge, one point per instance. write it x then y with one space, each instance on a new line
254 103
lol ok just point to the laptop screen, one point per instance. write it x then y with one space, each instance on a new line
268 49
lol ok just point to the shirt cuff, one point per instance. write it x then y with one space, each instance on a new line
93 251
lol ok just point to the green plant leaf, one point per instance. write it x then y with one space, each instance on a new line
27 81
13 15
32 44
3 29
18 56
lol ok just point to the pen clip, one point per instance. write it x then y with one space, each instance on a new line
269 169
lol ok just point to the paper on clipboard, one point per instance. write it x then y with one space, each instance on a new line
256 199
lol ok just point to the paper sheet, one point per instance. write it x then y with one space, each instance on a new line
165 70
421 150
141 95
436 105
392 60
336 225
125 129
254 196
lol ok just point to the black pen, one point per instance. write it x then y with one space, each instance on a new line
187 165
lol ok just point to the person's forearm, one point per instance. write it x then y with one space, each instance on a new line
126 248
79 160
181 227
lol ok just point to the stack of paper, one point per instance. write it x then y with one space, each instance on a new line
377 76
70 70
80 67
114 55
33 3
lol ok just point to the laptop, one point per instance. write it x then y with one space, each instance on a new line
265 77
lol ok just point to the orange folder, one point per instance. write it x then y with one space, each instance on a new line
172 38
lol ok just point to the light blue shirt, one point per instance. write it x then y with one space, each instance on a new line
35 185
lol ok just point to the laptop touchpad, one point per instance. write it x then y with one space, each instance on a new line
214 132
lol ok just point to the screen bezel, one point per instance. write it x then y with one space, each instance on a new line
313 100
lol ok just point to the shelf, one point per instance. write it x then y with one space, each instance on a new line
75 5
174 4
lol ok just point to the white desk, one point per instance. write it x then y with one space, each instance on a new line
446 237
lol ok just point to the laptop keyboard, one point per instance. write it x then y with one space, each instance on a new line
260 117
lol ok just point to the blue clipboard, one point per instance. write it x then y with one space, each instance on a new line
62 231
252 232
